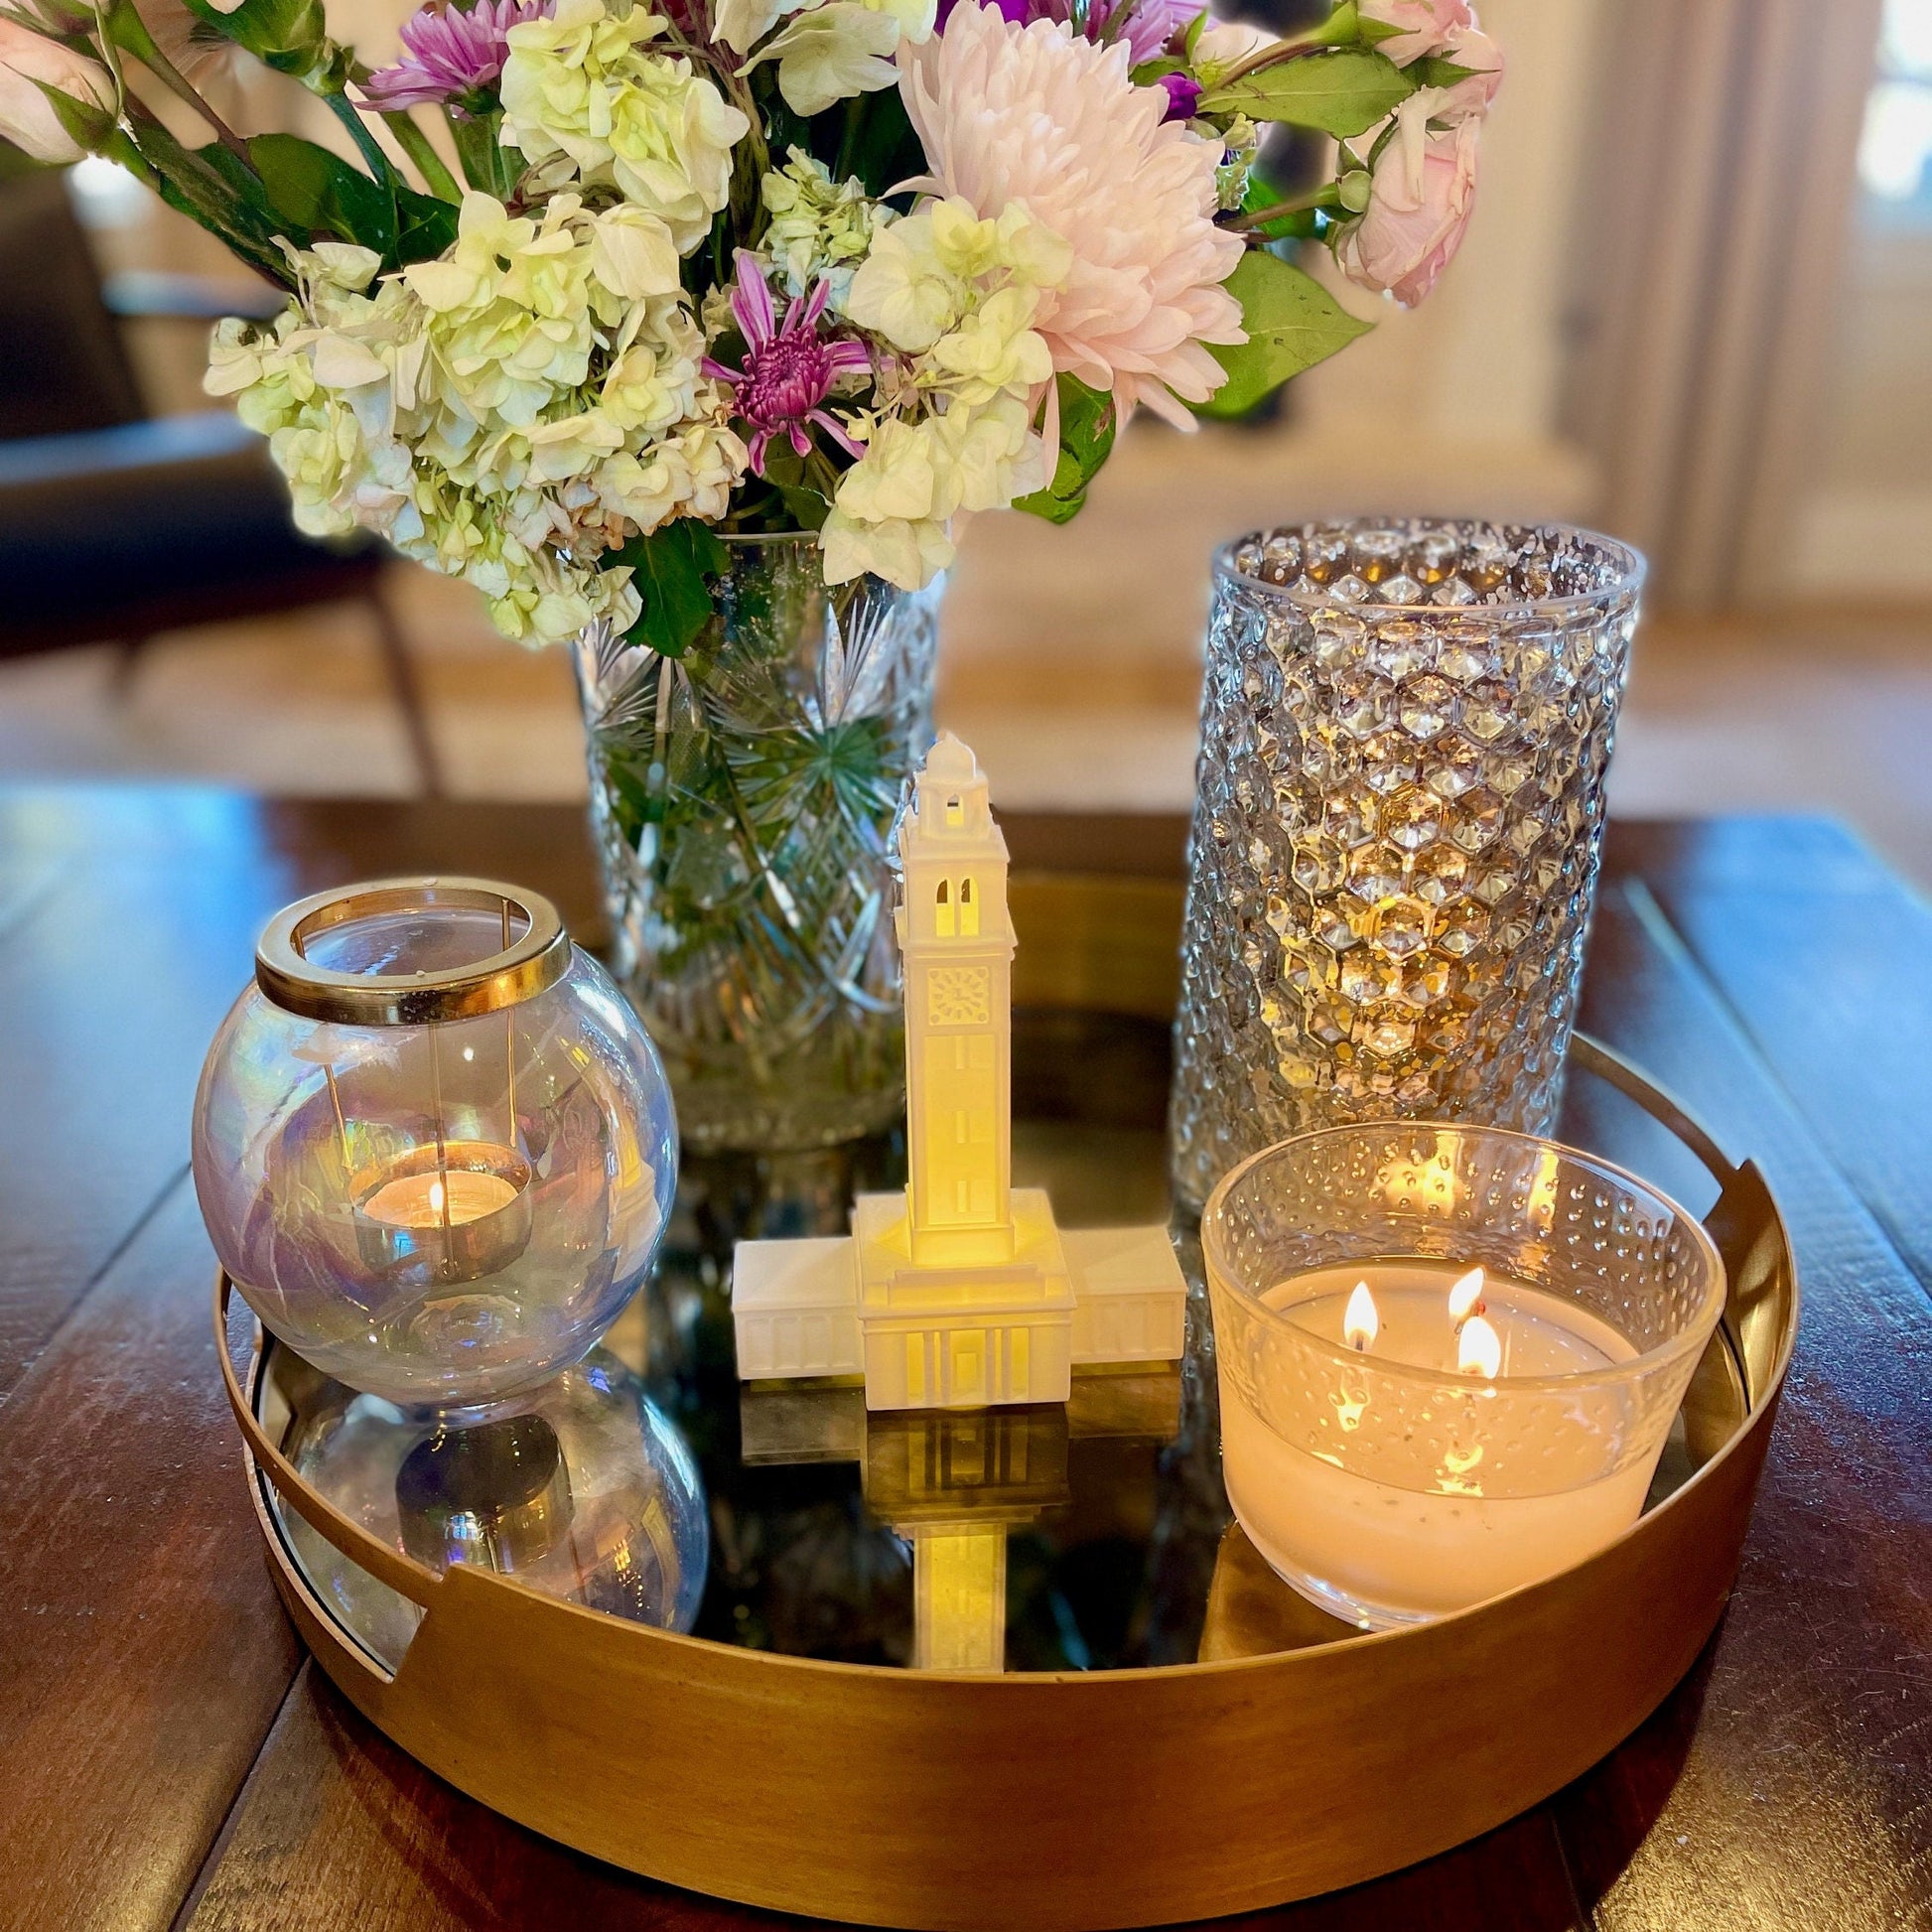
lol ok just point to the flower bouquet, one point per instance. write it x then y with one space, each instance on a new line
693 336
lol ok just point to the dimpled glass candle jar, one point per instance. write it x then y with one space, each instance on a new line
432 1146
1402 1437
1404 729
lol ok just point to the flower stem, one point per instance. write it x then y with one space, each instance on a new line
128 30
1327 196
415 144
343 109
1296 48
121 148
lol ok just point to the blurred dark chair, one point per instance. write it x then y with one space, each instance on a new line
114 526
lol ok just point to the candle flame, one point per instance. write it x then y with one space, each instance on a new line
436 1198
1479 1348
1466 1298
1360 1322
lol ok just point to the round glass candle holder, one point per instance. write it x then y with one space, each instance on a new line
432 1146
1397 1468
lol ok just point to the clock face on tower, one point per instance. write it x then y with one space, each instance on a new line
958 996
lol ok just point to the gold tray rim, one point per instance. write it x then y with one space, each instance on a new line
862 1820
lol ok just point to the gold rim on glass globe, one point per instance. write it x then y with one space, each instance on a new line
531 959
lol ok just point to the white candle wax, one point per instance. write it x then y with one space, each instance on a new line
1433 1528
439 1199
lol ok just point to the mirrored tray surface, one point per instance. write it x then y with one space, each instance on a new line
1093 1537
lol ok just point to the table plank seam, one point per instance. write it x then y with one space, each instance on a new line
1656 921
232 1816
1585 1918
1889 1210
108 1261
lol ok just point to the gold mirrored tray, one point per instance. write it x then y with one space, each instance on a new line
1001 1669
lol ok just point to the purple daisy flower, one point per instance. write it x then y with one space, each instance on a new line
450 54
788 368
1146 26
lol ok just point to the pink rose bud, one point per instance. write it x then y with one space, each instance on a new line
28 64
1424 188
1427 26
1473 49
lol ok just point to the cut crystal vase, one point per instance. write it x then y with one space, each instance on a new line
1404 729
743 797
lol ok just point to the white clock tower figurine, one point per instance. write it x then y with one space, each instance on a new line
962 1292
957 944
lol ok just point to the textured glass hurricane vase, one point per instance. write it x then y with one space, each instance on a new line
743 797
1405 731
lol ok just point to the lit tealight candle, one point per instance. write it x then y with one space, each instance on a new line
446 1214
449 1199
1360 1321
1408 1525
1406 1438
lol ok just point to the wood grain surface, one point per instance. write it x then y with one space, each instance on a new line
163 1762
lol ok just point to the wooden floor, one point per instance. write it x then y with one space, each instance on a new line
1071 663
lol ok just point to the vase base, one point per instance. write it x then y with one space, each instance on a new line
717 1118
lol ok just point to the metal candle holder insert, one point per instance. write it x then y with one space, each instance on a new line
446 1210
453 1210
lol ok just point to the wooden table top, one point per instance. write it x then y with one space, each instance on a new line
168 1760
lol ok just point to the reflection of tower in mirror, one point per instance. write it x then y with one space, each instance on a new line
959 1596
953 1483
494 1493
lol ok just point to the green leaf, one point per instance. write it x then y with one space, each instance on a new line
806 506
317 193
1292 322
290 35
1261 194
480 155
1342 92
87 126
1374 32
425 226
785 471
879 145
213 187
671 569
1434 71
1087 424
307 193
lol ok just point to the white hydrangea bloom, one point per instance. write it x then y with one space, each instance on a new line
588 83
899 507
506 414
820 230
831 54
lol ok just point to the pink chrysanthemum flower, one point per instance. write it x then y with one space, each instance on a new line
788 368
450 53
1036 115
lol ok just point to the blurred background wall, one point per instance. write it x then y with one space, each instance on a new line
1695 308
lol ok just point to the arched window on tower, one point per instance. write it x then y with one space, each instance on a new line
955 811
942 910
969 909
